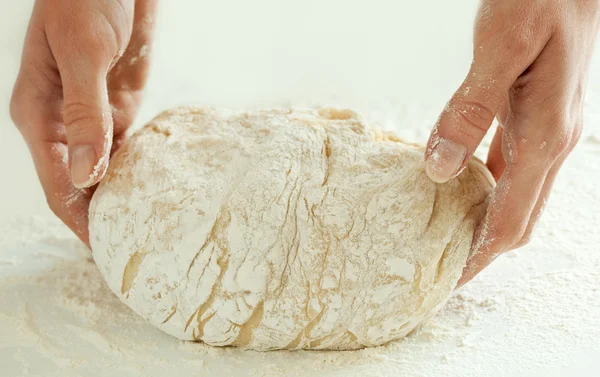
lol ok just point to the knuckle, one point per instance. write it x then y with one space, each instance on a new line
558 135
111 31
520 37
576 136
95 43
559 147
525 240
521 94
96 46
473 115
17 107
511 234
78 114
566 135
513 239
15 111
517 44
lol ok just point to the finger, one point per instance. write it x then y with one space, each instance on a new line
87 117
131 70
84 51
539 207
546 190
127 79
499 59
89 126
534 142
485 255
507 216
462 125
502 113
495 160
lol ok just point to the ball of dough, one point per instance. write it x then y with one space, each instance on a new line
281 229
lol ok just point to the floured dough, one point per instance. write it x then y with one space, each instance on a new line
281 228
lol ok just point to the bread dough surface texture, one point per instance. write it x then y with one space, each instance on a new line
281 229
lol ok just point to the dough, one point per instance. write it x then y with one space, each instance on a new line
281 229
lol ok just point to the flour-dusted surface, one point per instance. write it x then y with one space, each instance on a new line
534 312
281 228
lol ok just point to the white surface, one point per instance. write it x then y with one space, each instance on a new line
535 312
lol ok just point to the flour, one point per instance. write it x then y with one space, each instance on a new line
593 139
8 262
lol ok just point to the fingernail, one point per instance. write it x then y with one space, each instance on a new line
445 161
83 160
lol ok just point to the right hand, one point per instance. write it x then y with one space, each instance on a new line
530 70
84 66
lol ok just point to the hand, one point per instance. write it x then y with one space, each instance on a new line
84 66
530 70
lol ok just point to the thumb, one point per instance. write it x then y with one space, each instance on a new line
88 122
463 124
502 56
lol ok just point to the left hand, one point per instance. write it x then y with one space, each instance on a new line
84 66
